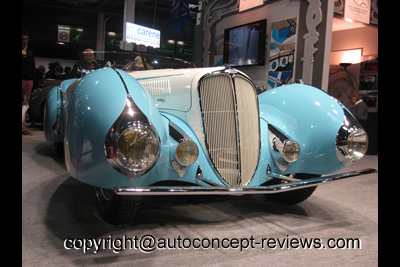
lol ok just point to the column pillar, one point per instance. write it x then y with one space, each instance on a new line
129 16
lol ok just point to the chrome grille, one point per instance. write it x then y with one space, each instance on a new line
229 110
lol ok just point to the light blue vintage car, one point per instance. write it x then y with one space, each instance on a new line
198 131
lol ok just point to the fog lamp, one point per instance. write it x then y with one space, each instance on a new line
291 151
186 152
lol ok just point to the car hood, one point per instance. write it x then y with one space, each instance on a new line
172 89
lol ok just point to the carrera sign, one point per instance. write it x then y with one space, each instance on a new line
142 35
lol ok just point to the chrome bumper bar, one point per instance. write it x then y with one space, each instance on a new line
226 190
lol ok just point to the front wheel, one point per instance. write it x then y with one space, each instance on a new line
115 209
295 196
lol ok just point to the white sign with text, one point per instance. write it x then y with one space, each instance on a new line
141 35
358 10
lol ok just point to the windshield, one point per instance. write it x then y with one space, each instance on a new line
127 61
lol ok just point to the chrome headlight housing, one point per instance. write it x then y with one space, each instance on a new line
132 145
351 140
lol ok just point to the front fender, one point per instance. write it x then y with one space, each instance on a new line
312 118
52 115
96 102
54 112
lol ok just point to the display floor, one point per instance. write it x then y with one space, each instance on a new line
58 211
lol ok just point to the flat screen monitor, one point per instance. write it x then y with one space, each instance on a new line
244 45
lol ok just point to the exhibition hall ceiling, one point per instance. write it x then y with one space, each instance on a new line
113 7
147 8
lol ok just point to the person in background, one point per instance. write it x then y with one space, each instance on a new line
52 67
39 76
138 63
88 63
59 74
40 71
28 73
360 109
68 72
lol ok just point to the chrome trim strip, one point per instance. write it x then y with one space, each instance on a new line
224 190
282 177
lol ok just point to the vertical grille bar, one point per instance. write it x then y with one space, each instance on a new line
227 124
249 131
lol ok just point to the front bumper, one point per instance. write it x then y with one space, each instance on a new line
225 190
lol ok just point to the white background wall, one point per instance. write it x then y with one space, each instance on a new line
364 37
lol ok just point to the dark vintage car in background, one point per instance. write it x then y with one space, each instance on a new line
198 131
38 99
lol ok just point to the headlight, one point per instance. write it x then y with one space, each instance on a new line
132 145
137 147
357 144
351 140
186 152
